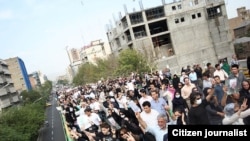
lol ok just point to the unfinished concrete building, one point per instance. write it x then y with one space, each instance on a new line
175 34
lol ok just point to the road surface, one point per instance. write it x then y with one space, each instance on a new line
53 131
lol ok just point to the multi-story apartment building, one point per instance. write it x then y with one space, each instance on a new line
96 49
176 34
37 79
19 74
8 94
74 55
89 53
33 81
43 78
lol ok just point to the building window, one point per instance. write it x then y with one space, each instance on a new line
193 16
173 8
196 2
214 12
176 20
190 3
198 15
182 19
155 13
179 6
136 18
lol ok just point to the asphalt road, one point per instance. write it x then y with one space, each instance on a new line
53 131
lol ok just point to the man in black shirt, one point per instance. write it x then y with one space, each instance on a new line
197 114
106 133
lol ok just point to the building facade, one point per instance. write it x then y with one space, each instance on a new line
36 79
96 49
87 54
8 94
243 15
176 34
242 40
19 74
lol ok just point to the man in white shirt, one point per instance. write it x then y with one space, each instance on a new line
121 100
93 119
94 105
149 115
144 97
161 129
221 73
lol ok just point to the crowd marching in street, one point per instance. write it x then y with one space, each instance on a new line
140 107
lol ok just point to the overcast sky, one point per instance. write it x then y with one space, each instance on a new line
38 31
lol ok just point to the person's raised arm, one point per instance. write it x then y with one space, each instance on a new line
142 123
224 98
210 94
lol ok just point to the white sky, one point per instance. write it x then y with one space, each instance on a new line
38 31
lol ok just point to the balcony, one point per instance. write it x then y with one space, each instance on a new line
15 98
12 90
140 34
3 91
1 80
155 13
5 103
7 72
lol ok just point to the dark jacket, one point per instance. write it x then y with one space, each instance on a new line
248 63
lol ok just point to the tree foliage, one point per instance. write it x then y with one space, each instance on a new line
30 96
128 61
131 61
22 122
86 74
64 82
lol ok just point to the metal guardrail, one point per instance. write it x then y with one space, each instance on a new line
65 129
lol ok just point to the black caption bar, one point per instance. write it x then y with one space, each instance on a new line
208 132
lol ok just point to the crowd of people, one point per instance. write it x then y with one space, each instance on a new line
141 106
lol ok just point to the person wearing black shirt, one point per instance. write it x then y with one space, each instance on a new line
106 133
245 93
197 114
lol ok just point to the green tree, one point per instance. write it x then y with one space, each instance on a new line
22 124
64 82
91 73
131 61
87 73
128 61
30 96
105 67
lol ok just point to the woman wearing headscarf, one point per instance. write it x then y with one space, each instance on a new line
176 81
179 102
245 93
